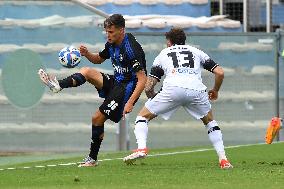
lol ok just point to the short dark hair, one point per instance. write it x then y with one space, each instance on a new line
116 20
176 36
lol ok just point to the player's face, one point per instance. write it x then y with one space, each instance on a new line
114 35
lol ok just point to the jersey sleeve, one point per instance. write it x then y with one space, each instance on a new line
210 65
136 55
157 70
207 62
105 52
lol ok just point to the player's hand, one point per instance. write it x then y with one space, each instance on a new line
213 94
127 109
83 50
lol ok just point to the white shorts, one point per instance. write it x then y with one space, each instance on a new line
170 98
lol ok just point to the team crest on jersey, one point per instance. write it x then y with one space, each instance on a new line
120 57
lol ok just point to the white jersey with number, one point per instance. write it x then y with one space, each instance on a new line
181 65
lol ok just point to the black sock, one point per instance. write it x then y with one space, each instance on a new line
97 138
68 81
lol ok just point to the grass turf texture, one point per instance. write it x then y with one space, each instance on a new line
257 166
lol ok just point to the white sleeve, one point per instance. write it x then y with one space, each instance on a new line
157 61
203 56
206 62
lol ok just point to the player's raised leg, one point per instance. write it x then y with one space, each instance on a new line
85 74
215 136
49 81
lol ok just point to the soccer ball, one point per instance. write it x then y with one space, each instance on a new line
69 57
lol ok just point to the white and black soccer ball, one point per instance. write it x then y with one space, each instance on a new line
69 57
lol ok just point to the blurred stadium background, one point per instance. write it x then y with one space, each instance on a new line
243 36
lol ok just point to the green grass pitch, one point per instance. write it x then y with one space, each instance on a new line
255 166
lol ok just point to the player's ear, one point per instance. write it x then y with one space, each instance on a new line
169 43
121 30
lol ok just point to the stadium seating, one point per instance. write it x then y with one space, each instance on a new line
245 47
39 9
132 22
52 16
249 92
235 51
45 27
263 70
55 47
128 7
83 97
85 128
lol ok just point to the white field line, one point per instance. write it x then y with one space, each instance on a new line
151 155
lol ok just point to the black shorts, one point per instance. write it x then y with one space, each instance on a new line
116 95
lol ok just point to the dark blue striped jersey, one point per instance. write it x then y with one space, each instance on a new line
127 58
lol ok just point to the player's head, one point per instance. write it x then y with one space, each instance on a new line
175 36
114 27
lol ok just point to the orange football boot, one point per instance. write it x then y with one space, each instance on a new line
137 154
225 164
272 129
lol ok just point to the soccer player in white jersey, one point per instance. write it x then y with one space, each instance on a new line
182 86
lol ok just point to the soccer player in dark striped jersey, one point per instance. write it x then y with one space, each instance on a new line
120 90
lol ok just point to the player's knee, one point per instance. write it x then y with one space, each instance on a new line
95 120
206 119
88 72
145 113
85 71
98 119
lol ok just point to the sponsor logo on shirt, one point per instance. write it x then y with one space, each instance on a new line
184 71
120 69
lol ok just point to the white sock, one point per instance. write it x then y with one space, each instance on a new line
141 131
215 136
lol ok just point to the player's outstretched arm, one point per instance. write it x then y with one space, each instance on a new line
219 76
92 57
149 87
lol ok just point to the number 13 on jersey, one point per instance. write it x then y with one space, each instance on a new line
182 59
